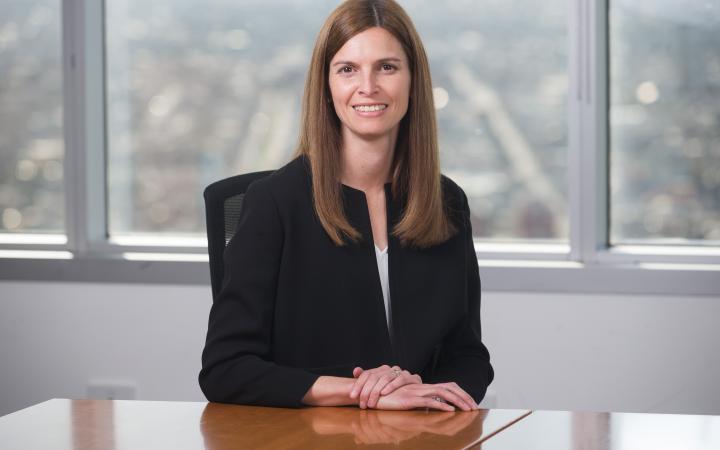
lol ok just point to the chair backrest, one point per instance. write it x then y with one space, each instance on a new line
223 203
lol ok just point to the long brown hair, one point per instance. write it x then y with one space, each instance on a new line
415 169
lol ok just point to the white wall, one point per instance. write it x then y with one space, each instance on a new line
574 352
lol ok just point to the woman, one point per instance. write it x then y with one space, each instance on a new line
352 277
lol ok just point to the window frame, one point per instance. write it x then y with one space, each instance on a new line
585 264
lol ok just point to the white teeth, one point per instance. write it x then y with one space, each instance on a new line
370 108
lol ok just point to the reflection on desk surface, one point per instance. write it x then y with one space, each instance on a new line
562 430
134 425
348 427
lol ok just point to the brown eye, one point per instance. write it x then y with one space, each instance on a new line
388 67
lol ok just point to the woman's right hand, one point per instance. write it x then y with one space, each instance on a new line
370 384
442 396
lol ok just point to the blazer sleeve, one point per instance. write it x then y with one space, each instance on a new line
463 357
237 365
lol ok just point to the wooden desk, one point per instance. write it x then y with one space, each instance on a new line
563 430
140 425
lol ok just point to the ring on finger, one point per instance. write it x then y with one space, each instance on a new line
396 372
437 398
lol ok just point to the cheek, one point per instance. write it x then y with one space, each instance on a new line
339 92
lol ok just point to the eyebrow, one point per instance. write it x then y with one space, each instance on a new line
393 59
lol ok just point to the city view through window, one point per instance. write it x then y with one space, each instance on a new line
200 91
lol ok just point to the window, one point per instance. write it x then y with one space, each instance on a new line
665 122
503 128
31 119
585 132
198 94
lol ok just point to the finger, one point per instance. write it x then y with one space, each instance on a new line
357 371
367 388
375 380
359 383
379 386
428 402
462 393
392 377
402 380
362 379
453 398
446 392
394 384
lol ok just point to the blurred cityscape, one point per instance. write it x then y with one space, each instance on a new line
200 91
665 120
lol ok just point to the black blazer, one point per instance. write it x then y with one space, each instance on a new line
294 306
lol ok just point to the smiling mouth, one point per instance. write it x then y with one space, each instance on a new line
369 108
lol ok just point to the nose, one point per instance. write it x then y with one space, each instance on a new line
368 84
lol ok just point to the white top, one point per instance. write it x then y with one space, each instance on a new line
382 263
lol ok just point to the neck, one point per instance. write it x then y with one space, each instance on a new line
366 163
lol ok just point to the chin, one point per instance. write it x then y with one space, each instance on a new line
372 131
372 135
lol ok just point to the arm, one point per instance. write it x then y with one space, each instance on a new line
464 359
237 364
330 391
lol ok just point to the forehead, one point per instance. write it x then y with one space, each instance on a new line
373 43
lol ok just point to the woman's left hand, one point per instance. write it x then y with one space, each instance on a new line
372 383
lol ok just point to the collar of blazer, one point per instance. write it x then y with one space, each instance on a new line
355 202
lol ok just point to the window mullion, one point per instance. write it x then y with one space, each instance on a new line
596 161
84 124
575 123
72 116
588 154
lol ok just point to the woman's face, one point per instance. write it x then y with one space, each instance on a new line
370 84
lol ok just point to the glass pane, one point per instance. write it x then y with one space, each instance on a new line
500 74
31 119
665 121
198 91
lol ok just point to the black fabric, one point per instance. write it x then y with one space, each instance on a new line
294 306
223 203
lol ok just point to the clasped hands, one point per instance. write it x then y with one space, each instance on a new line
392 388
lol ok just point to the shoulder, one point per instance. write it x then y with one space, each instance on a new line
454 198
451 190
285 183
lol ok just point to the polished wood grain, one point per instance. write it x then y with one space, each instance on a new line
132 425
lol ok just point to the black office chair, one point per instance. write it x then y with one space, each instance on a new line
223 203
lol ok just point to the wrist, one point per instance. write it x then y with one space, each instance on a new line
330 391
